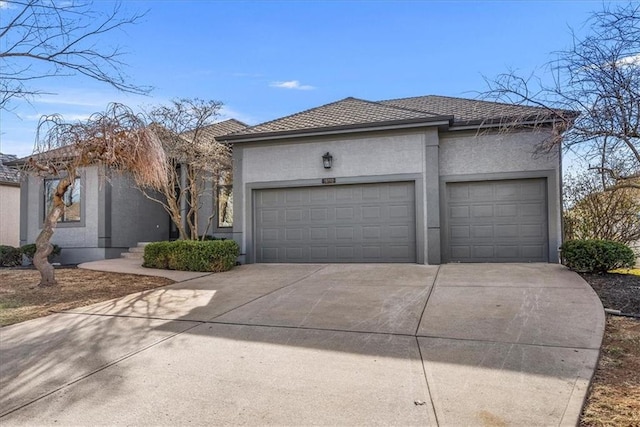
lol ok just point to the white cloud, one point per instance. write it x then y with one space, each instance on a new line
629 60
5 5
291 84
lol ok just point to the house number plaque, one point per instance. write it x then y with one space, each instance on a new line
328 180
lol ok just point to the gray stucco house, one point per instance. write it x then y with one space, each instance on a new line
428 179
106 216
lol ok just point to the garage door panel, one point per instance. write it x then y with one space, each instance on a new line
507 251
319 233
533 251
460 251
459 212
483 251
499 221
318 253
533 209
319 214
482 211
505 191
460 231
482 231
371 252
347 223
507 211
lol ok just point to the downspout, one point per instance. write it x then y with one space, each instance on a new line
183 200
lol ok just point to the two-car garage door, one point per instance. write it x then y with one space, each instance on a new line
337 223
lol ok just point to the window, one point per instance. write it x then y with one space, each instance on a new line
225 206
71 199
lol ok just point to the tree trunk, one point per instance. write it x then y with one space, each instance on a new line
43 244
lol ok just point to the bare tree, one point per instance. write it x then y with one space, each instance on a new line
598 77
116 139
40 39
196 162
590 212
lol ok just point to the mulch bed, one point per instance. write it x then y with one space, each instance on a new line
617 291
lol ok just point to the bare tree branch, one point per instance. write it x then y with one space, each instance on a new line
598 77
195 160
41 39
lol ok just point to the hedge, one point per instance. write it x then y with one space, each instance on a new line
30 250
10 256
192 255
596 256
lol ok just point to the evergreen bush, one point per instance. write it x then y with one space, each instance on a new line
596 256
192 255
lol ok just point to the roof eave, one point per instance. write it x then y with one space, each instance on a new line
501 122
440 121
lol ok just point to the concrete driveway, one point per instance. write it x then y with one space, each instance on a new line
350 344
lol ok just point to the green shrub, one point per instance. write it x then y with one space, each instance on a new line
10 256
596 256
192 255
30 250
207 237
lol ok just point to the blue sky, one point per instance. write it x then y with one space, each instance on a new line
267 59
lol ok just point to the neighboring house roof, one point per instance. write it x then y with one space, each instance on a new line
61 153
56 154
8 175
221 128
353 113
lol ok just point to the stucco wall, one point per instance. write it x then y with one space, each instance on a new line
9 215
134 218
355 156
463 153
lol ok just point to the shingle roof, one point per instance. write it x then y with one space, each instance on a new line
465 110
358 113
213 131
8 175
55 154
221 128
346 112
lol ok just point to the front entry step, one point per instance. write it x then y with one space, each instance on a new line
136 252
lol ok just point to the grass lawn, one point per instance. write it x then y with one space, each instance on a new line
21 299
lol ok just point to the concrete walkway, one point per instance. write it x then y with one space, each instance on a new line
349 344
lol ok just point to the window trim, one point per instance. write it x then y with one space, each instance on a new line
64 224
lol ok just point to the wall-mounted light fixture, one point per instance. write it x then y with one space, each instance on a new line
327 160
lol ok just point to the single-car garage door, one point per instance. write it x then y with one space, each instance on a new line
342 223
497 221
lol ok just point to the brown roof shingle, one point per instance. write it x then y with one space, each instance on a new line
358 113
220 128
8 175
466 110
346 112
